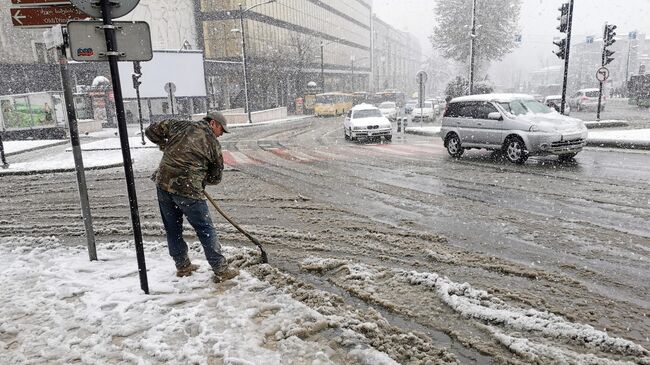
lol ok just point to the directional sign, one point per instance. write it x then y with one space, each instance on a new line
44 17
602 74
32 3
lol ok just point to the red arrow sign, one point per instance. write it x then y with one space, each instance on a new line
39 2
44 17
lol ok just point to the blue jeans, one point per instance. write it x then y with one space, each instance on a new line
172 209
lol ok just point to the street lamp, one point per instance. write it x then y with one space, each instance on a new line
352 58
243 52
322 62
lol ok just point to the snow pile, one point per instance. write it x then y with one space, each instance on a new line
479 304
534 335
57 307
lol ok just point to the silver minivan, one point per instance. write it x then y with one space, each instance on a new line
516 124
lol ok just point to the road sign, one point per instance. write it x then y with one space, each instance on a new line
88 41
45 16
32 3
421 76
170 87
119 8
602 74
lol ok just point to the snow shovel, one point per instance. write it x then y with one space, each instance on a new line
265 258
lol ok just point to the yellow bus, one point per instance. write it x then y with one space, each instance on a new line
332 104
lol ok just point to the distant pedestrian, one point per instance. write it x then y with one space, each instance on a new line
2 154
48 114
191 160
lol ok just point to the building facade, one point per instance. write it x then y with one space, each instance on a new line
338 45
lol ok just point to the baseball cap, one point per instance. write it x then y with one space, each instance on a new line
219 118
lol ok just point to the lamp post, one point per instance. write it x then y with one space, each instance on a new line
352 58
242 11
322 62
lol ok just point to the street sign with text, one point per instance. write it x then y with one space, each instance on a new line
32 3
45 16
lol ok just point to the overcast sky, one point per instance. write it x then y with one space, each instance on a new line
538 22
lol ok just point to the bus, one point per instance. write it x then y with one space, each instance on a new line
332 104
396 97
639 90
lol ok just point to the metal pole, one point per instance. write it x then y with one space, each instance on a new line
136 84
111 46
602 63
627 66
244 61
566 59
76 154
2 154
322 67
352 68
471 50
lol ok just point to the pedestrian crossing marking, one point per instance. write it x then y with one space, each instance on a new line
337 152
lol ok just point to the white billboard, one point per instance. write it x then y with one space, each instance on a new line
184 69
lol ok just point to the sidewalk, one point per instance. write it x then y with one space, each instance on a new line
618 138
100 150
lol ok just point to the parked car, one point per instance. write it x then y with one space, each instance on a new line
365 121
516 124
585 99
425 113
555 102
388 109
408 108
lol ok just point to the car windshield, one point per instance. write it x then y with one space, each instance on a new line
366 113
386 105
428 104
525 106
592 94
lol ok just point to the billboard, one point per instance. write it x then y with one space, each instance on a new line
184 69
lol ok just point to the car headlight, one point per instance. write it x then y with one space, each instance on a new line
533 128
356 128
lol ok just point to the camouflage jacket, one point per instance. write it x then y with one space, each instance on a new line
192 157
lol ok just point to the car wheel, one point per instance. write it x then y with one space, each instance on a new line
352 138
566 157
453 145
515 150
346 134
388 138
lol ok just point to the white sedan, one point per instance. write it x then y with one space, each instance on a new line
365 121
388 109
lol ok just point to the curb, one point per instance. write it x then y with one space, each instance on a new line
51 171
594 125
36 148
633 145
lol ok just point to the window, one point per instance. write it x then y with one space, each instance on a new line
368 113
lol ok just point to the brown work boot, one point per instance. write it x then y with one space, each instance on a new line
186 270
225 274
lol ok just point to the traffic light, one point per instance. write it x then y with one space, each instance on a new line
561 52
607 57
609 35
137 73
608 40
563 18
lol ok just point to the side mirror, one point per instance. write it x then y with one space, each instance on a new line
495 116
